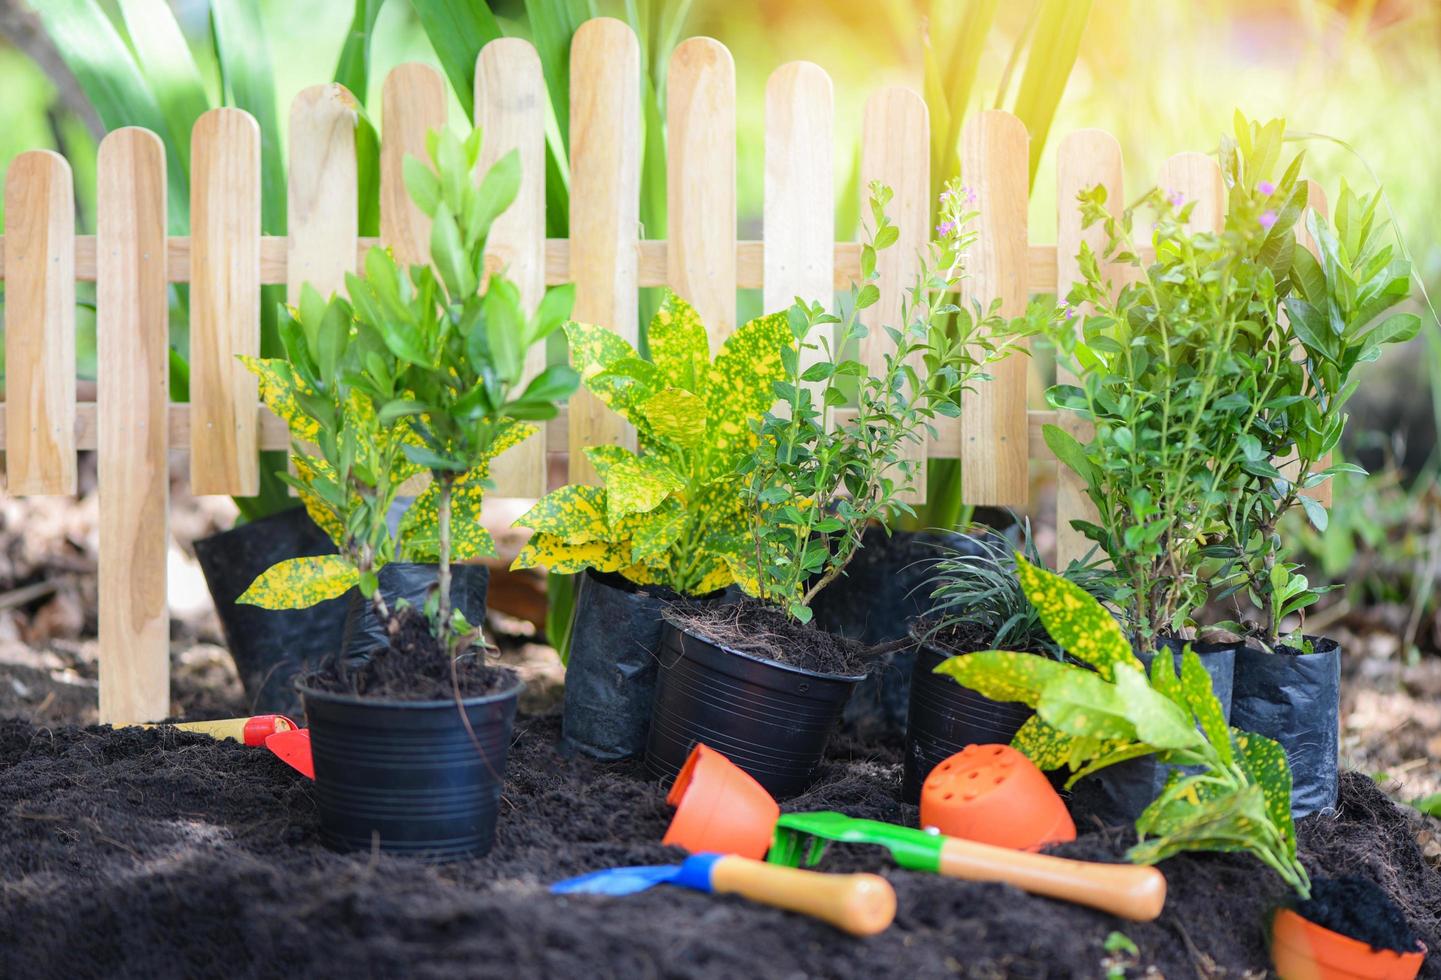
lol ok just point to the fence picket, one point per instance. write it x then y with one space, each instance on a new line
324 223
895 150
995 442
40 325
412 103
701 182
1084 159
604 210
510 106
224 302
132 336
1197 178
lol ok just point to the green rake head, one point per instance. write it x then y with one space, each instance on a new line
801 839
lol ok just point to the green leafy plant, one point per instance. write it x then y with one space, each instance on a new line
671 514
814 483
420 371
1102 709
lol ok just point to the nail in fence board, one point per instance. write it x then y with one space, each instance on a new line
604 210
701 182
510 106
224 302
1084 159
995 451
40 325
895 149
132 336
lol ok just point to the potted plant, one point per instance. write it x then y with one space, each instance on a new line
1328 307
755 680
1229 790
978 604
664 520
419 371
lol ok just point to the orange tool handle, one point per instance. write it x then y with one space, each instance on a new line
1128 890
860 904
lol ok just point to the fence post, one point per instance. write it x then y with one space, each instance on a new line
510 106
413 102
224 302
40 325
132 336
896 150
701 182
323 219
1084 159
995 433
604 210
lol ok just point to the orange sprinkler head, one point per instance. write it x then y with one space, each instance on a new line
1302 950
720 808
995 795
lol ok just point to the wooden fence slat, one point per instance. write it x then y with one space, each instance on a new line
604 210
701 182
895 149
1316 201
132 336
510 106
800 253
413 102
1197 177
224 302
40 325
995 453
323 222
1084 159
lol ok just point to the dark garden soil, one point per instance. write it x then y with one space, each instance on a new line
161 854
762 630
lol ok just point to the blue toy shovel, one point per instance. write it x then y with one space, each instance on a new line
860 904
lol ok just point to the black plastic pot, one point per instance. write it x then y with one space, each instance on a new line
407 776
885 589
770 719
1117 794
1295 699
269 646
610 676
945 717
361 632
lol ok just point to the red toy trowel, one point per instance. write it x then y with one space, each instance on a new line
293 749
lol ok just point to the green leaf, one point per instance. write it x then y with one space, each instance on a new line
457 30
568 559
1081 703
1005 676
593 349
1158 720
739 385
1266 767
1069 451
1076 621
419 536
1203 703
497 192
573 514
633 484
164 58
677 415
504 325
678 345
299 583
554 310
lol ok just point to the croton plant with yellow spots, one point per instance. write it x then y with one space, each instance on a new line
1102 709
673 513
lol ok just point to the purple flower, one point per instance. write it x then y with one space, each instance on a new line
970 198
1266 187
945 228
1268 218
945 195
1070 312
1176 199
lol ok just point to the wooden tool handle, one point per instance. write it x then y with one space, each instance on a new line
1127 890
860 904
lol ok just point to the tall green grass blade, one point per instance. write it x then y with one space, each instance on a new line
954 45
353 71
1053 53
248 82
458 29
168 66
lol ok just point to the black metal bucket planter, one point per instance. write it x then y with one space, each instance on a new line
945 717
611 674
417 778
1294 698
270 647
1117 795
771 719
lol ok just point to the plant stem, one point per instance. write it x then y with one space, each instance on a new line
442 632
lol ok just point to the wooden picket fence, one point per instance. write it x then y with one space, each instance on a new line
133 424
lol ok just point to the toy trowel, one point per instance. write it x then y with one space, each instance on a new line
293 749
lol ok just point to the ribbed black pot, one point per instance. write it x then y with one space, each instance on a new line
610 676
945 717
270 647
407 776
1294 698
885 589
770 719
362 634
1117 794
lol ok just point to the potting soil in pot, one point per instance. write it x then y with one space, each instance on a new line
162 854
1358 908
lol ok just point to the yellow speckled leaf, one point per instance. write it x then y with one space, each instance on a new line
419 538
568 559
678 344
594 349
654 535
573 514
308 468
1202 701
740 383
633 484
743 573
642 575
716 578
298 583
512 433
1265 763
677 415
1075 619
278 386
1004 676
1049 748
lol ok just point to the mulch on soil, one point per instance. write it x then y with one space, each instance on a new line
162 854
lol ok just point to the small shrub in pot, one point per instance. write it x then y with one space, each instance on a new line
418 371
